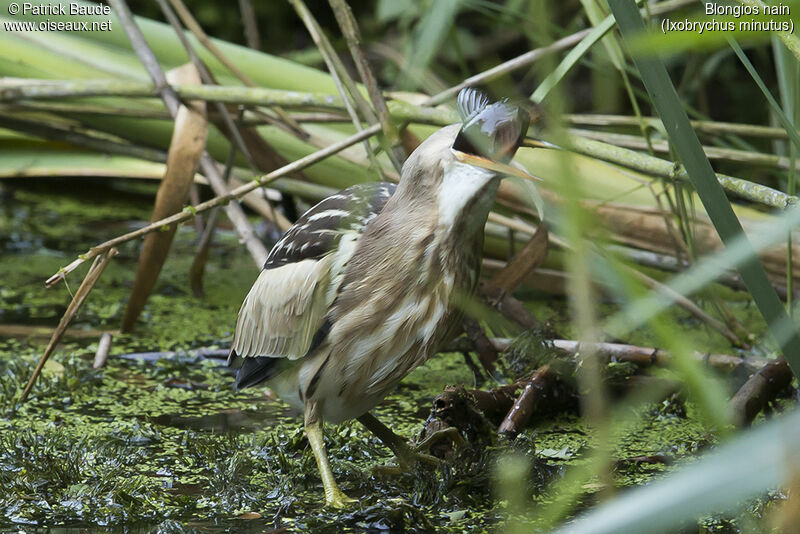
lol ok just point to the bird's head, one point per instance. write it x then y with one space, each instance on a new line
446 175
492 130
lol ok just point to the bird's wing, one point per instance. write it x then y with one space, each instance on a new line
284 314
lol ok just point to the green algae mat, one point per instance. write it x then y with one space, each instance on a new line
157 440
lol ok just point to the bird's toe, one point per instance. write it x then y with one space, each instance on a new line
337 499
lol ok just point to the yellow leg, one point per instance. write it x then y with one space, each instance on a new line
333 495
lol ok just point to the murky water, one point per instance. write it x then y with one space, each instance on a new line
165 444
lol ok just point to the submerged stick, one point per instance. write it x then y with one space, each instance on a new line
97 268
103 347
536 391
760 389
643 356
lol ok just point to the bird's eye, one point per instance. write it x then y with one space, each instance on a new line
464 144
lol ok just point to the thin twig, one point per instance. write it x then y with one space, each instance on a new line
645 163
97 268
346 86
209 79
710 127
511 65
485 350
749 157
349 27
673 295
250 26
534 55
688 305
191 23
198 267
81 136
64 108
620 352
234 194
171 100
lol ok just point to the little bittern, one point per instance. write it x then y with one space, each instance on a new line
364 287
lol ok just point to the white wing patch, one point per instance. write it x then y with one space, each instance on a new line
328 213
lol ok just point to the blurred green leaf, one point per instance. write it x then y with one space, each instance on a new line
387 10
429 34
688 147
750 465
572 58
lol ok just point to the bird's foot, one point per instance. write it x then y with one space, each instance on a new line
406 457
335 498
410 456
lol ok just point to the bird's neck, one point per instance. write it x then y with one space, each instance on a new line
465 196
454 207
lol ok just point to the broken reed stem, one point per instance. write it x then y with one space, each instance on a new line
709 127
636 142
172 102
400 111
97 268
189 212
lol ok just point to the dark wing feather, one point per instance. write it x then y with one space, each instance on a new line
316 233
255 370
319 230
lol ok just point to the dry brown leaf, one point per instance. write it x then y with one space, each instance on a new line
524 262
186 147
